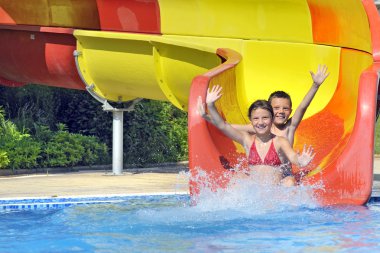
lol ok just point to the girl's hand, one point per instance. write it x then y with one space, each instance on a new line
201 107
306 157
201 110
320 76
213 94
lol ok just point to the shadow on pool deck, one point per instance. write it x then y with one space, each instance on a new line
171 178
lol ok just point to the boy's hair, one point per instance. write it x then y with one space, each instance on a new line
262 104
279 94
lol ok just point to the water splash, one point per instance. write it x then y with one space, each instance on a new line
248 195
243 199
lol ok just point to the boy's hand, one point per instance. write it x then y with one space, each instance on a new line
320 76
213 94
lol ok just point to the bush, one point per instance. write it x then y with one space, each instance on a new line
23 153
63 149
94 152
19 150
47 148
4 161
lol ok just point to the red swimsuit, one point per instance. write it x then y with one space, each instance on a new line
271 158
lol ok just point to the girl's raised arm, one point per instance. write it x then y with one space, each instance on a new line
213 94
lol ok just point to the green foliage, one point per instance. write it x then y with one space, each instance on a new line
155 132
23 153
94 152
83 114
31 104
19 150
4 161
62 148
47 148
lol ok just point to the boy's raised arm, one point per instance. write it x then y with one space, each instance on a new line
318 79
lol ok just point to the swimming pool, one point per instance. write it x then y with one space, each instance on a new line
168 223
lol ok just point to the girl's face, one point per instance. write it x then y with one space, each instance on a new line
281 110
261 120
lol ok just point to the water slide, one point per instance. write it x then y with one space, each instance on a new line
173 50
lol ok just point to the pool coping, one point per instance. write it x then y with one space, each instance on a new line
37 203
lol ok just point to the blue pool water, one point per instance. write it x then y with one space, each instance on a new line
169 223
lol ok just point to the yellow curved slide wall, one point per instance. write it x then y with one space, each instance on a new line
123 66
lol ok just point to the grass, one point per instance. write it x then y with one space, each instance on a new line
377 138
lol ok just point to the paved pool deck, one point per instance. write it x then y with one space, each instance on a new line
102 183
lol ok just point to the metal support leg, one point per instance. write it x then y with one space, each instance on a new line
117 114
117 143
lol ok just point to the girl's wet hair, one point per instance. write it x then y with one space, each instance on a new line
280 94
260 104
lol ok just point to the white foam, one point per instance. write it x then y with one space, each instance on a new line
244 194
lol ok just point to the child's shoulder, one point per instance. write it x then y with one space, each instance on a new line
281 140
283 129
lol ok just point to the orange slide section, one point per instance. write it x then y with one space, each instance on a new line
342 133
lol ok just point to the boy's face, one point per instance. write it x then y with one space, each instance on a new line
281 110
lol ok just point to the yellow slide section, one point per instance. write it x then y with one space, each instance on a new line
124 66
